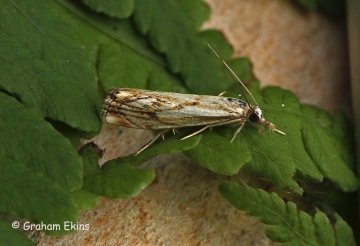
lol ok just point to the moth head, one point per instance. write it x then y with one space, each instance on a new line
256 115
257 118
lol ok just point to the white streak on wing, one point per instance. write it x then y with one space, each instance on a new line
122 94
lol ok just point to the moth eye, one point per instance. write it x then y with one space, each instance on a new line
254 118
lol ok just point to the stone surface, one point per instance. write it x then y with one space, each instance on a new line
181 207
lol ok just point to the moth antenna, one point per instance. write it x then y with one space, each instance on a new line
235 78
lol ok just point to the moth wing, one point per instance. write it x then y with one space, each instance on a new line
162 110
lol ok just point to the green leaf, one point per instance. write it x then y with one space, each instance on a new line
84 200
344 234
114 180
120 66
270 157
95 29
119 181
119 178
12 237
287 225
218 42
317 139
33 142
24 191
171 33
44 65
198 11
218 154
307 149
299 146
113 8
117 66
243 68
286 115
343 129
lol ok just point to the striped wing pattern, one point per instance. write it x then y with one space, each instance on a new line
145 109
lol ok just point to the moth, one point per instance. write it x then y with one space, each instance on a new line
155 110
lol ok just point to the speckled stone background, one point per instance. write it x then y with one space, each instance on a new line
302 52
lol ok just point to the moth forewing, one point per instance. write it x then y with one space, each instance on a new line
154 110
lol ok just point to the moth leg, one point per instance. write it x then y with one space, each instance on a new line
222 93
151 142
197 132
237 131
237 121
174 131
